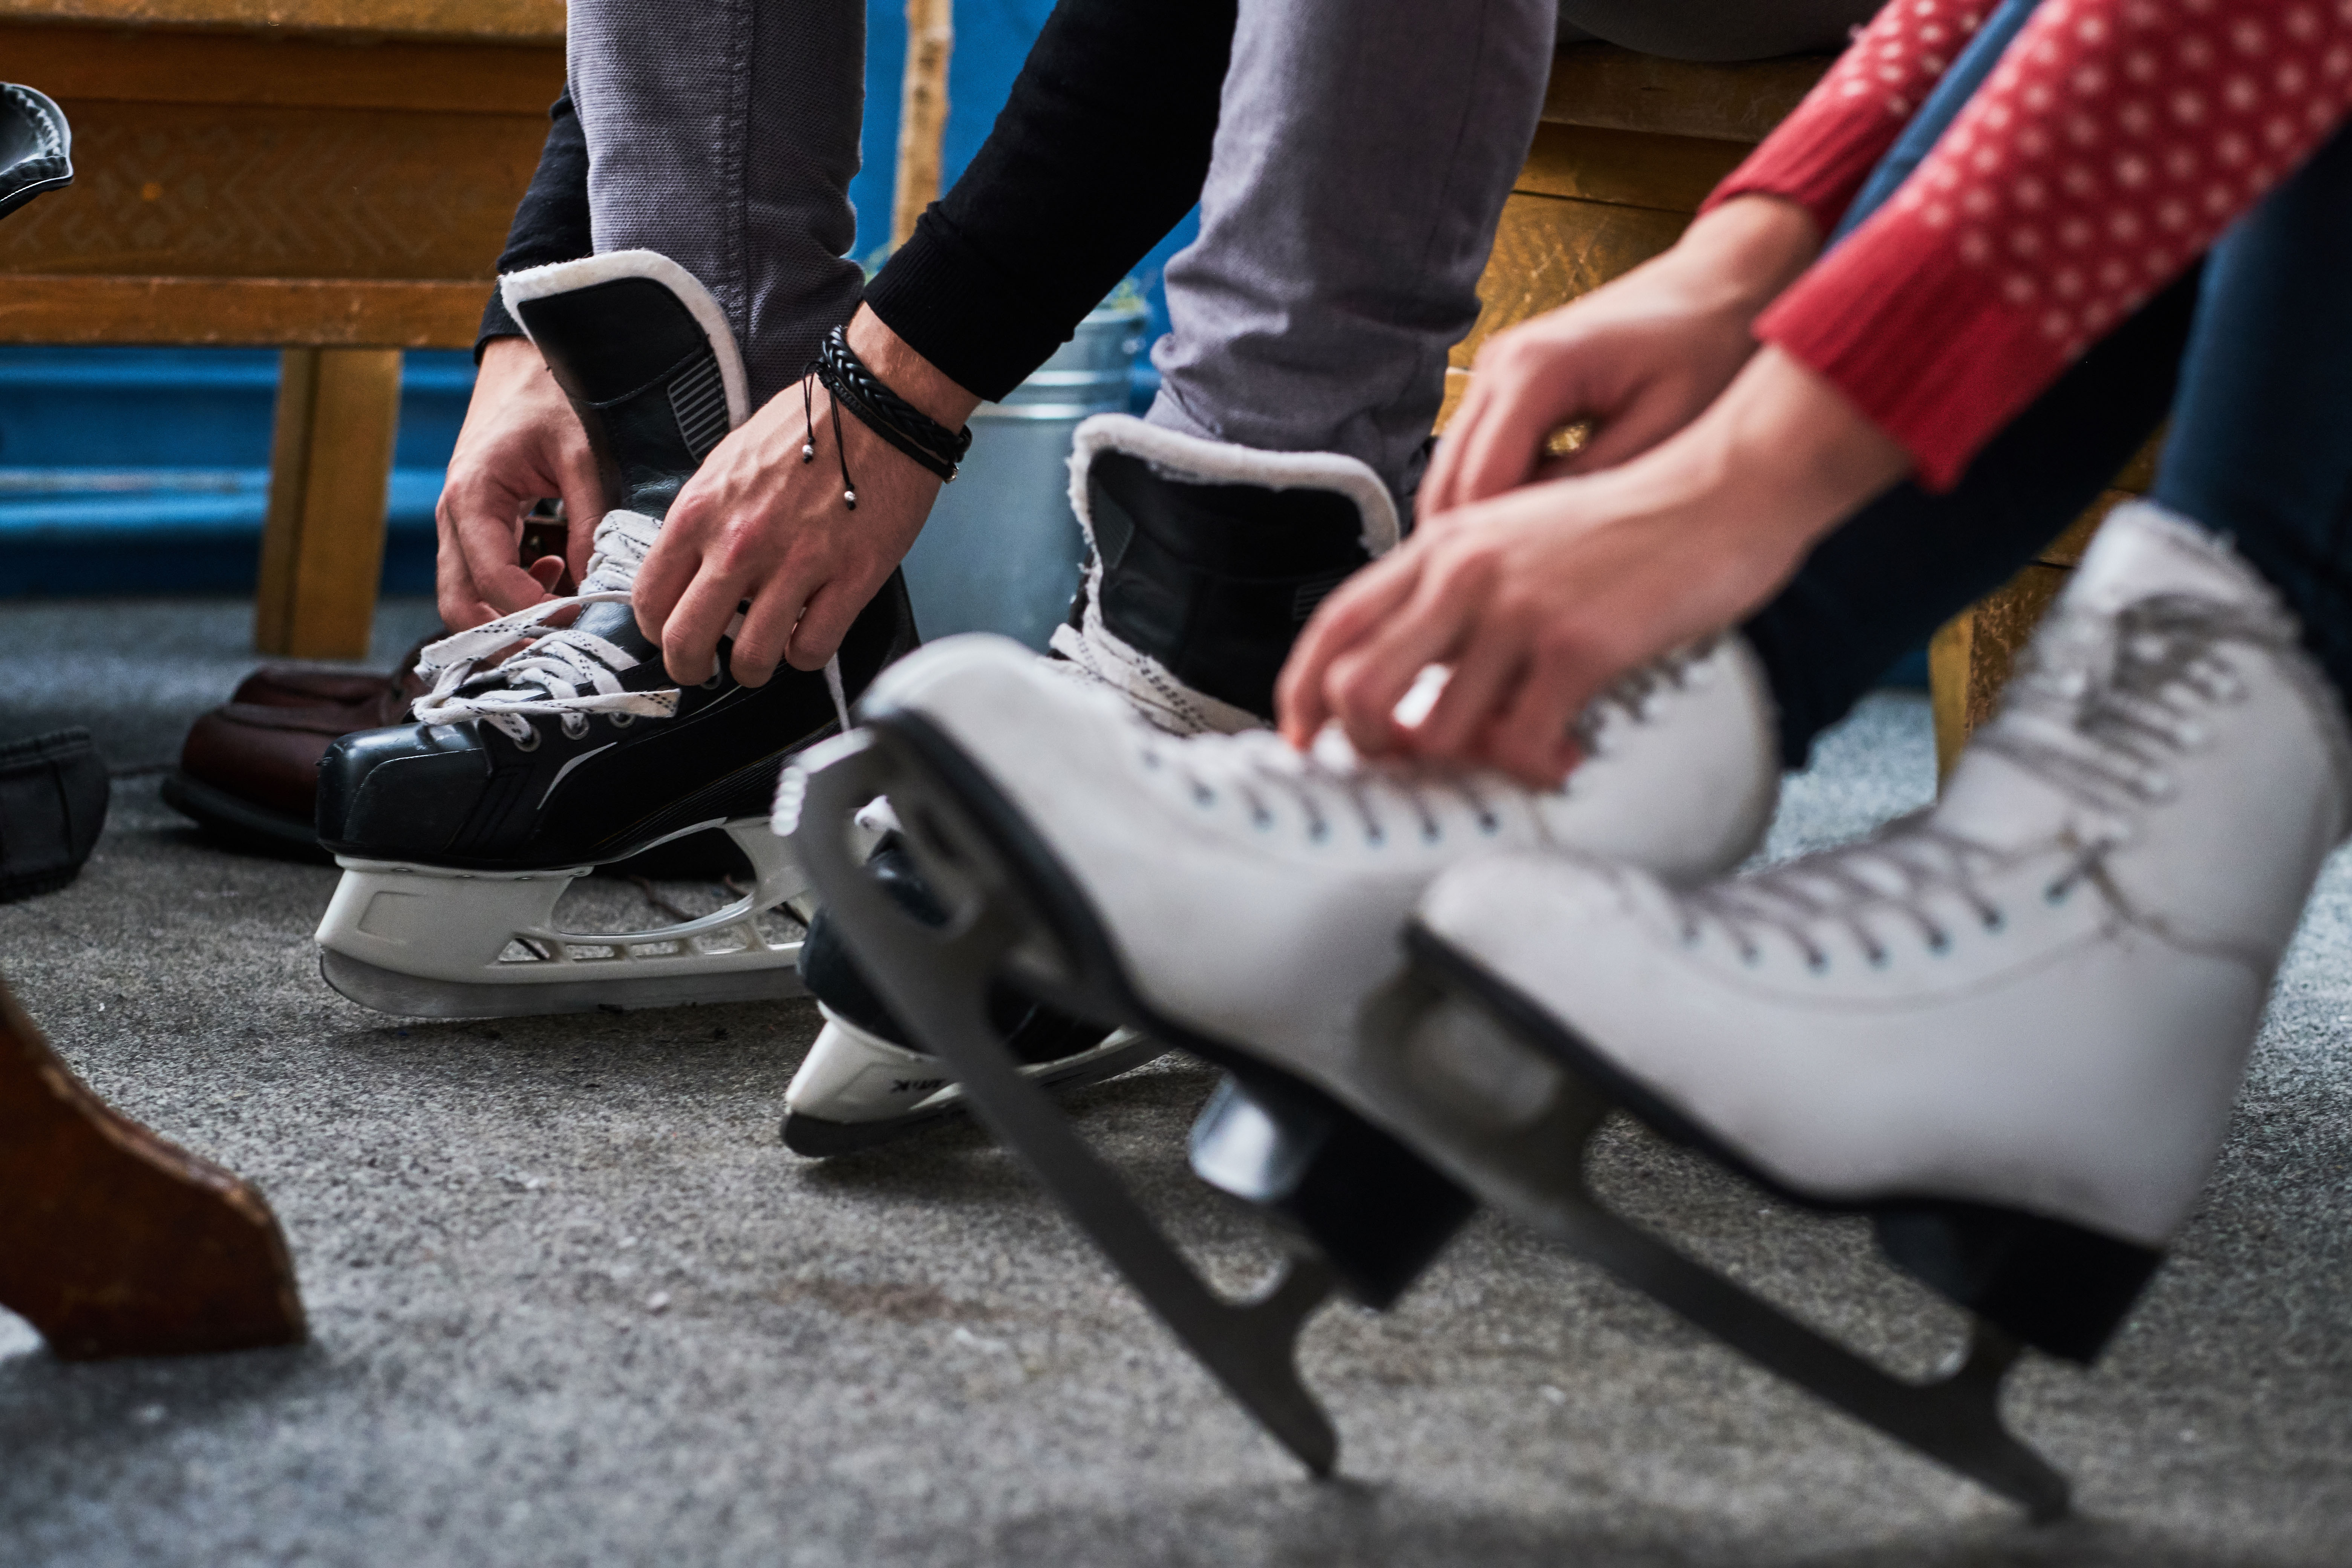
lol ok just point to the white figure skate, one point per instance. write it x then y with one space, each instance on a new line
2010 1029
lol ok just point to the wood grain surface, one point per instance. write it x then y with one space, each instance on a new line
114 1242
330 467
1617 90
504 21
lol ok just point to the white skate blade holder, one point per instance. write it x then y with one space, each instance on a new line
428 941
857 1091
936 979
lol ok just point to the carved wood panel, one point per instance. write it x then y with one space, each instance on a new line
225 190
1548 250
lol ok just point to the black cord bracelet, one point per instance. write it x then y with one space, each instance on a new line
922 438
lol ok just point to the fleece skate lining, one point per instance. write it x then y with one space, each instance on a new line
566 277
1195 460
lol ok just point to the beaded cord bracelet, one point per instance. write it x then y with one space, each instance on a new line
843 376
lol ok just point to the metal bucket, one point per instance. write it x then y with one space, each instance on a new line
1000 552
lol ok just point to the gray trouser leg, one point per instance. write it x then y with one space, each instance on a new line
724 135
1363 151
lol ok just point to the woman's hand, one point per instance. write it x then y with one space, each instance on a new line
758 524
1538 599
1637 359
520 444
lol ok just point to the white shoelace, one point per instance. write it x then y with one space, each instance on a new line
2101 703
566 674
1325 785
1331 782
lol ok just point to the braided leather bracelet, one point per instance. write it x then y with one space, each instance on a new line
904 426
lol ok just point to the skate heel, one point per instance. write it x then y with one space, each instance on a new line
1375 1211
2054 1285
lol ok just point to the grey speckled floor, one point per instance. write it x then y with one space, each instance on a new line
574 1304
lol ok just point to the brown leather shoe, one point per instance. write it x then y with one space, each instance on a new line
249 770
300 685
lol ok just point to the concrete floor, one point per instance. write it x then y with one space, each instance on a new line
573 1304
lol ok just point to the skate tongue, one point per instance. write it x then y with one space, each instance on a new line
1993 800
2142 550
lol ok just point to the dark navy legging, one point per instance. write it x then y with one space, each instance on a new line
2250 355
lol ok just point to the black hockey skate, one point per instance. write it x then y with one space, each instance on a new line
459 833
1207 560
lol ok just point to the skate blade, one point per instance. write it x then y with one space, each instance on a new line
819 1139
423 942
936 979
414 996
1514 1126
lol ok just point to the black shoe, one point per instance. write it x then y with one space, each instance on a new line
53 798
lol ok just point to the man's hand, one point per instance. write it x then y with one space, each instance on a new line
759 523
1637 359
1538 599
520 442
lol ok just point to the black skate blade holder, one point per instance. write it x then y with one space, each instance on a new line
936 979
1526 1154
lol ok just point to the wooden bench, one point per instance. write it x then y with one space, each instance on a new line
329 177
1628 148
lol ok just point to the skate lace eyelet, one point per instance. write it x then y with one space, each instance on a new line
712 684
528 741
622 721
573 726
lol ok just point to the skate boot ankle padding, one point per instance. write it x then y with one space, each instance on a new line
1207 559
647 362
2010 1029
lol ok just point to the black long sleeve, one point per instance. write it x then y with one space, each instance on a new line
1099 151
550 223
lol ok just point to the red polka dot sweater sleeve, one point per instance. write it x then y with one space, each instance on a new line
2109 149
